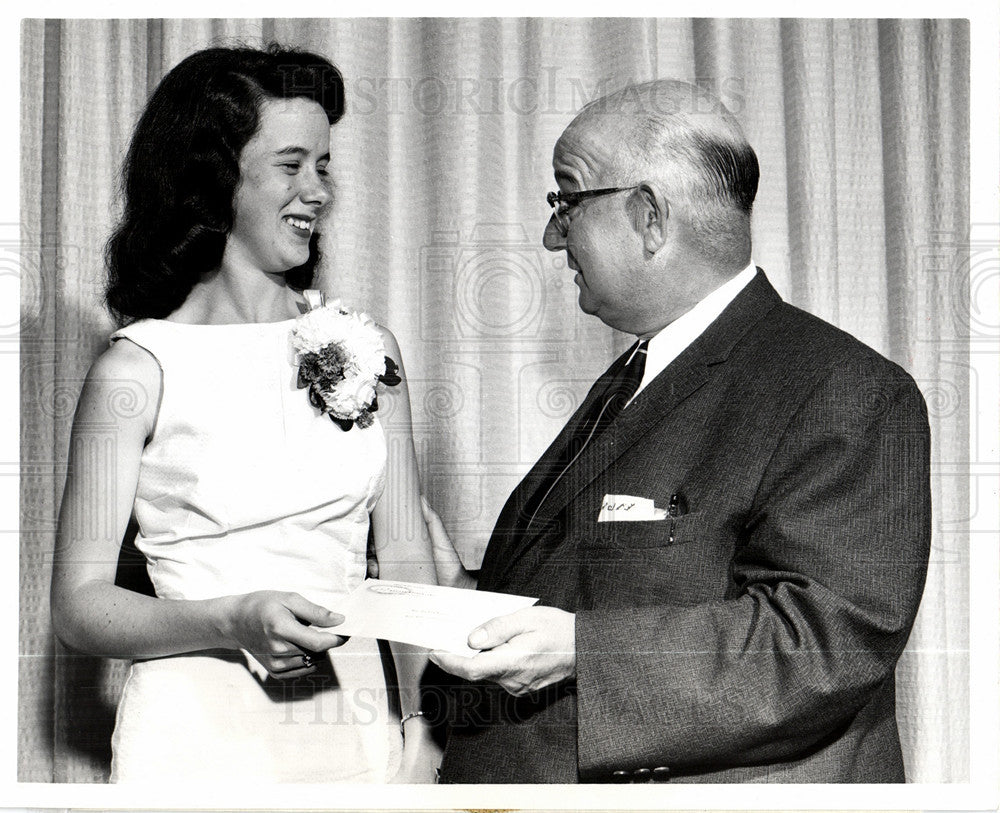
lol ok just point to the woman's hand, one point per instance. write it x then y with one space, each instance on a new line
450 570
421 755
274 628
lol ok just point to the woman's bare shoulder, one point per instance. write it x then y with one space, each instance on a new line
123 384
391 345
125 359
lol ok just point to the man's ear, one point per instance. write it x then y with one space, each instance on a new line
649 216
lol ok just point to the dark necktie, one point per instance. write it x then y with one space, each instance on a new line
599 417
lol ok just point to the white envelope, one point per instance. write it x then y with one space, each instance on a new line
625 508
421 614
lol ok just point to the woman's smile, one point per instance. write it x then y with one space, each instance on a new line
302 226
283 169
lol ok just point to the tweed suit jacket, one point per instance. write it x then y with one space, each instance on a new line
754 637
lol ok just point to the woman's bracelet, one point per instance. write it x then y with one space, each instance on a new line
409 716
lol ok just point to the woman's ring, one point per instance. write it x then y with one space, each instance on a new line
307 661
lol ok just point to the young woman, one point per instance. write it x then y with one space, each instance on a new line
209 421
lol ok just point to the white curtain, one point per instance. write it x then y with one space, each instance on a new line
442 164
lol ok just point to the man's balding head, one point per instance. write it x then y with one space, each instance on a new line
683 137
656 186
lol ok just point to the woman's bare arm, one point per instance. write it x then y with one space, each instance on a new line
403 547
114 419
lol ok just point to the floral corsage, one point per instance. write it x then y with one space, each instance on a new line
341 357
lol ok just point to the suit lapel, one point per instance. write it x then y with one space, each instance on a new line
554 459
509 532
682 377
651 406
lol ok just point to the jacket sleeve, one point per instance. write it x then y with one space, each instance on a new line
824 586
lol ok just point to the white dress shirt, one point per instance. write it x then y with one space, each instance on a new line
675 338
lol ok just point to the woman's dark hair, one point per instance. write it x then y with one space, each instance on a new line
182 169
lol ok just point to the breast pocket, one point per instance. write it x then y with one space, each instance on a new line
658 533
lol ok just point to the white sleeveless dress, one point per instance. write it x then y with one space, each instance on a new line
244 486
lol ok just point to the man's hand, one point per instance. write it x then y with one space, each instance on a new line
524 651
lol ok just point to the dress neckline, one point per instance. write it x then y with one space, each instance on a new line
307 294
223 324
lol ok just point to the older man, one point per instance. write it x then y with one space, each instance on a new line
730 537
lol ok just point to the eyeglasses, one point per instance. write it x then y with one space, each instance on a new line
562 202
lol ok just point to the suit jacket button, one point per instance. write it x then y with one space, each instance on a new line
661 774
642 774
620 776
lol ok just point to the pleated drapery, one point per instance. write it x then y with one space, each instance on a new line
441 166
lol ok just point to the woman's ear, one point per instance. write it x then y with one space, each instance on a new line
650 213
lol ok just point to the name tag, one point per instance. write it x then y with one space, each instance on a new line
625 508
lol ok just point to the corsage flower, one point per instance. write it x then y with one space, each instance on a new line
341 358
